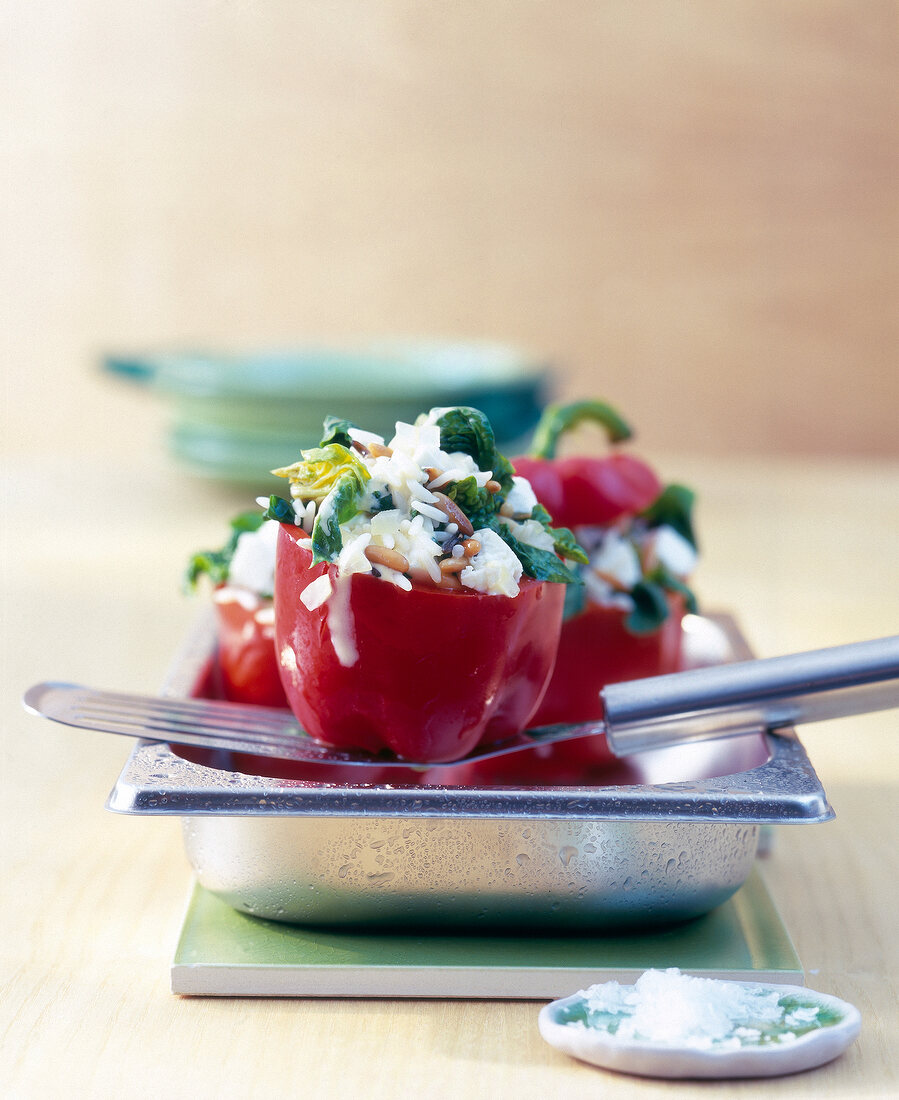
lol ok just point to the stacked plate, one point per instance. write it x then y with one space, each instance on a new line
236 416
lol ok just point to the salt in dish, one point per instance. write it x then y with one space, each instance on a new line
675 1025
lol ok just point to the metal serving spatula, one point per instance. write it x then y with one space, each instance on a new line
697 705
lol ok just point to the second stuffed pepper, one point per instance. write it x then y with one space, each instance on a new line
623 619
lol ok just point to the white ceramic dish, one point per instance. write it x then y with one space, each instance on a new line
563 1024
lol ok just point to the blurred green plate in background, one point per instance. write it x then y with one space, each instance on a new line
237 416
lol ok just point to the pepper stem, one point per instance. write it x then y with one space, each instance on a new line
558 419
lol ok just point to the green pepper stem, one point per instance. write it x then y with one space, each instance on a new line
558 419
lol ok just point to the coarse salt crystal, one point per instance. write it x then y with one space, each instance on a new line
671 1007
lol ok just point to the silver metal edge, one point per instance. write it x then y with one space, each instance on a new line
155 781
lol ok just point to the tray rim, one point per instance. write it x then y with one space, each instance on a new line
154 781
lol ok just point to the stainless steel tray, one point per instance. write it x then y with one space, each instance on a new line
667 835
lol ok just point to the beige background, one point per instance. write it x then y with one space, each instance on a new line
690 207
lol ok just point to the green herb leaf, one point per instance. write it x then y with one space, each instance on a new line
566 544
210 563
667 580
469 431
467 494
216 564
542 565
479 505
339 506
336 430
575 599
650 608
280 510
503 472
673 507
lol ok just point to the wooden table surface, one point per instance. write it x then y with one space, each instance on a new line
804 553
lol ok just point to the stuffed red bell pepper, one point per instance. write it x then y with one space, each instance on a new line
623 620
243 572
419 588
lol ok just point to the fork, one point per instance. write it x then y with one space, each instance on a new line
639 715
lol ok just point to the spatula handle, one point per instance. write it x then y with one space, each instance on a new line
726 700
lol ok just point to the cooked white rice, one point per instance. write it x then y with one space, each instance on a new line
415 526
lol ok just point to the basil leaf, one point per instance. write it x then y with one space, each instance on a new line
247 521
542 565
280 510
340 505
210 563
336 430
467 494
216 564
673 507
503 472
650 608
667 580
468 430
479 505
575 599
566 544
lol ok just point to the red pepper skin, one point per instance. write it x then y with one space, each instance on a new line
582 491
595 649
598 491
437 671
246 651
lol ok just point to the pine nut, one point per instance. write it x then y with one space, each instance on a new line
391 559
493 486
453 565
611 580
373 449
453 513
470 547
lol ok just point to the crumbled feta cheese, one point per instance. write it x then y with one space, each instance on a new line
315 593
253 563
367 438
494 568
265 616
248 600
521 499
599 591
673 551
532 533
617 560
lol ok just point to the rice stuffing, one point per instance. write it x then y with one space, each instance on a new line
364 496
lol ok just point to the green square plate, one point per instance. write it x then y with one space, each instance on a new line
225 953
